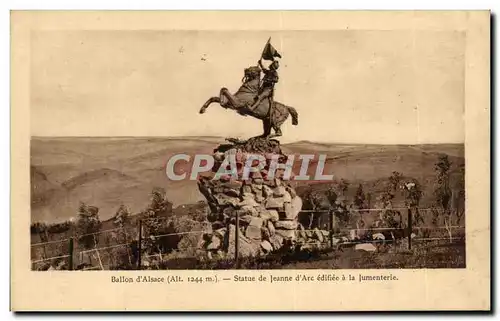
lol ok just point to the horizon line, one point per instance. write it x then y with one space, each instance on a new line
223 138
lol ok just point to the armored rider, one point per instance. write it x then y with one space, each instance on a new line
268 81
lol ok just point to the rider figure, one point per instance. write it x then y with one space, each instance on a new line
268 81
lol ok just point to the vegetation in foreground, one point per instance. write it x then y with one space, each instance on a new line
181 252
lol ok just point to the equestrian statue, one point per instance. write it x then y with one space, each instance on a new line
255 97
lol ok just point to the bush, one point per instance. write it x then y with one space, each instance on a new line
88 224
156 221
360 198
442 191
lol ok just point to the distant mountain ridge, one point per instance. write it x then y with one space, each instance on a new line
107 172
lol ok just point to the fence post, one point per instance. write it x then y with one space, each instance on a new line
330 215
410 222
71 249
236 241
139 246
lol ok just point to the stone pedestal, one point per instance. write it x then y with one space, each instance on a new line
267 207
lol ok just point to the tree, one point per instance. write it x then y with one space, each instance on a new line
388 216
156 221
442 190
460 210
121 220
87 225
360 198
394 182
344 186
369 200
413 195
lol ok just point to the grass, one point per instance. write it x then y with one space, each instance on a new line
432 255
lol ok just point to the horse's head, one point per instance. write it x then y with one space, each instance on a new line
251 73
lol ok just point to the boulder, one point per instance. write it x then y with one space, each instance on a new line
276 241
286 234
266 246
274 215
215 244
274 203
301 232
318 235
231 192
248 199
246 219
220 232
289 212
353 234
246 189
270 183
257 187
259 196
293 194
265 214
267 191
295 208
270 227
365 247
287 225
233 184
257 222
335 241
262 212
229 211
279 191
246 246
253 230
248 210
223 199
257 181
287 198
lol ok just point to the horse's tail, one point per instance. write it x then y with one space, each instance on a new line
295 115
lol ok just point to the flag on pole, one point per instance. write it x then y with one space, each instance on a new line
269 51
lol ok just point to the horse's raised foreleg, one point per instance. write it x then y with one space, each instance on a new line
208 102
229 98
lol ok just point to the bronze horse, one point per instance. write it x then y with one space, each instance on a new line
272 118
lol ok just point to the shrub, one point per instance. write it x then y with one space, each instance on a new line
156 221
360 198
442 191
413 195
88 223
344 186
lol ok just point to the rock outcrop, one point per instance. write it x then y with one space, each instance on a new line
267 207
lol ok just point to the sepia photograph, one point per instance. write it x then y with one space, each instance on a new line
329 150
136 202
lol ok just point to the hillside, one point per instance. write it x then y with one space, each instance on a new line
107 172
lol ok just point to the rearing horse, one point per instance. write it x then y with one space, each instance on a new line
272 118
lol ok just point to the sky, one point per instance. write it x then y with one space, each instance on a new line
348 86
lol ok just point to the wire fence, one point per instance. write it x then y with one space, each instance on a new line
131 241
